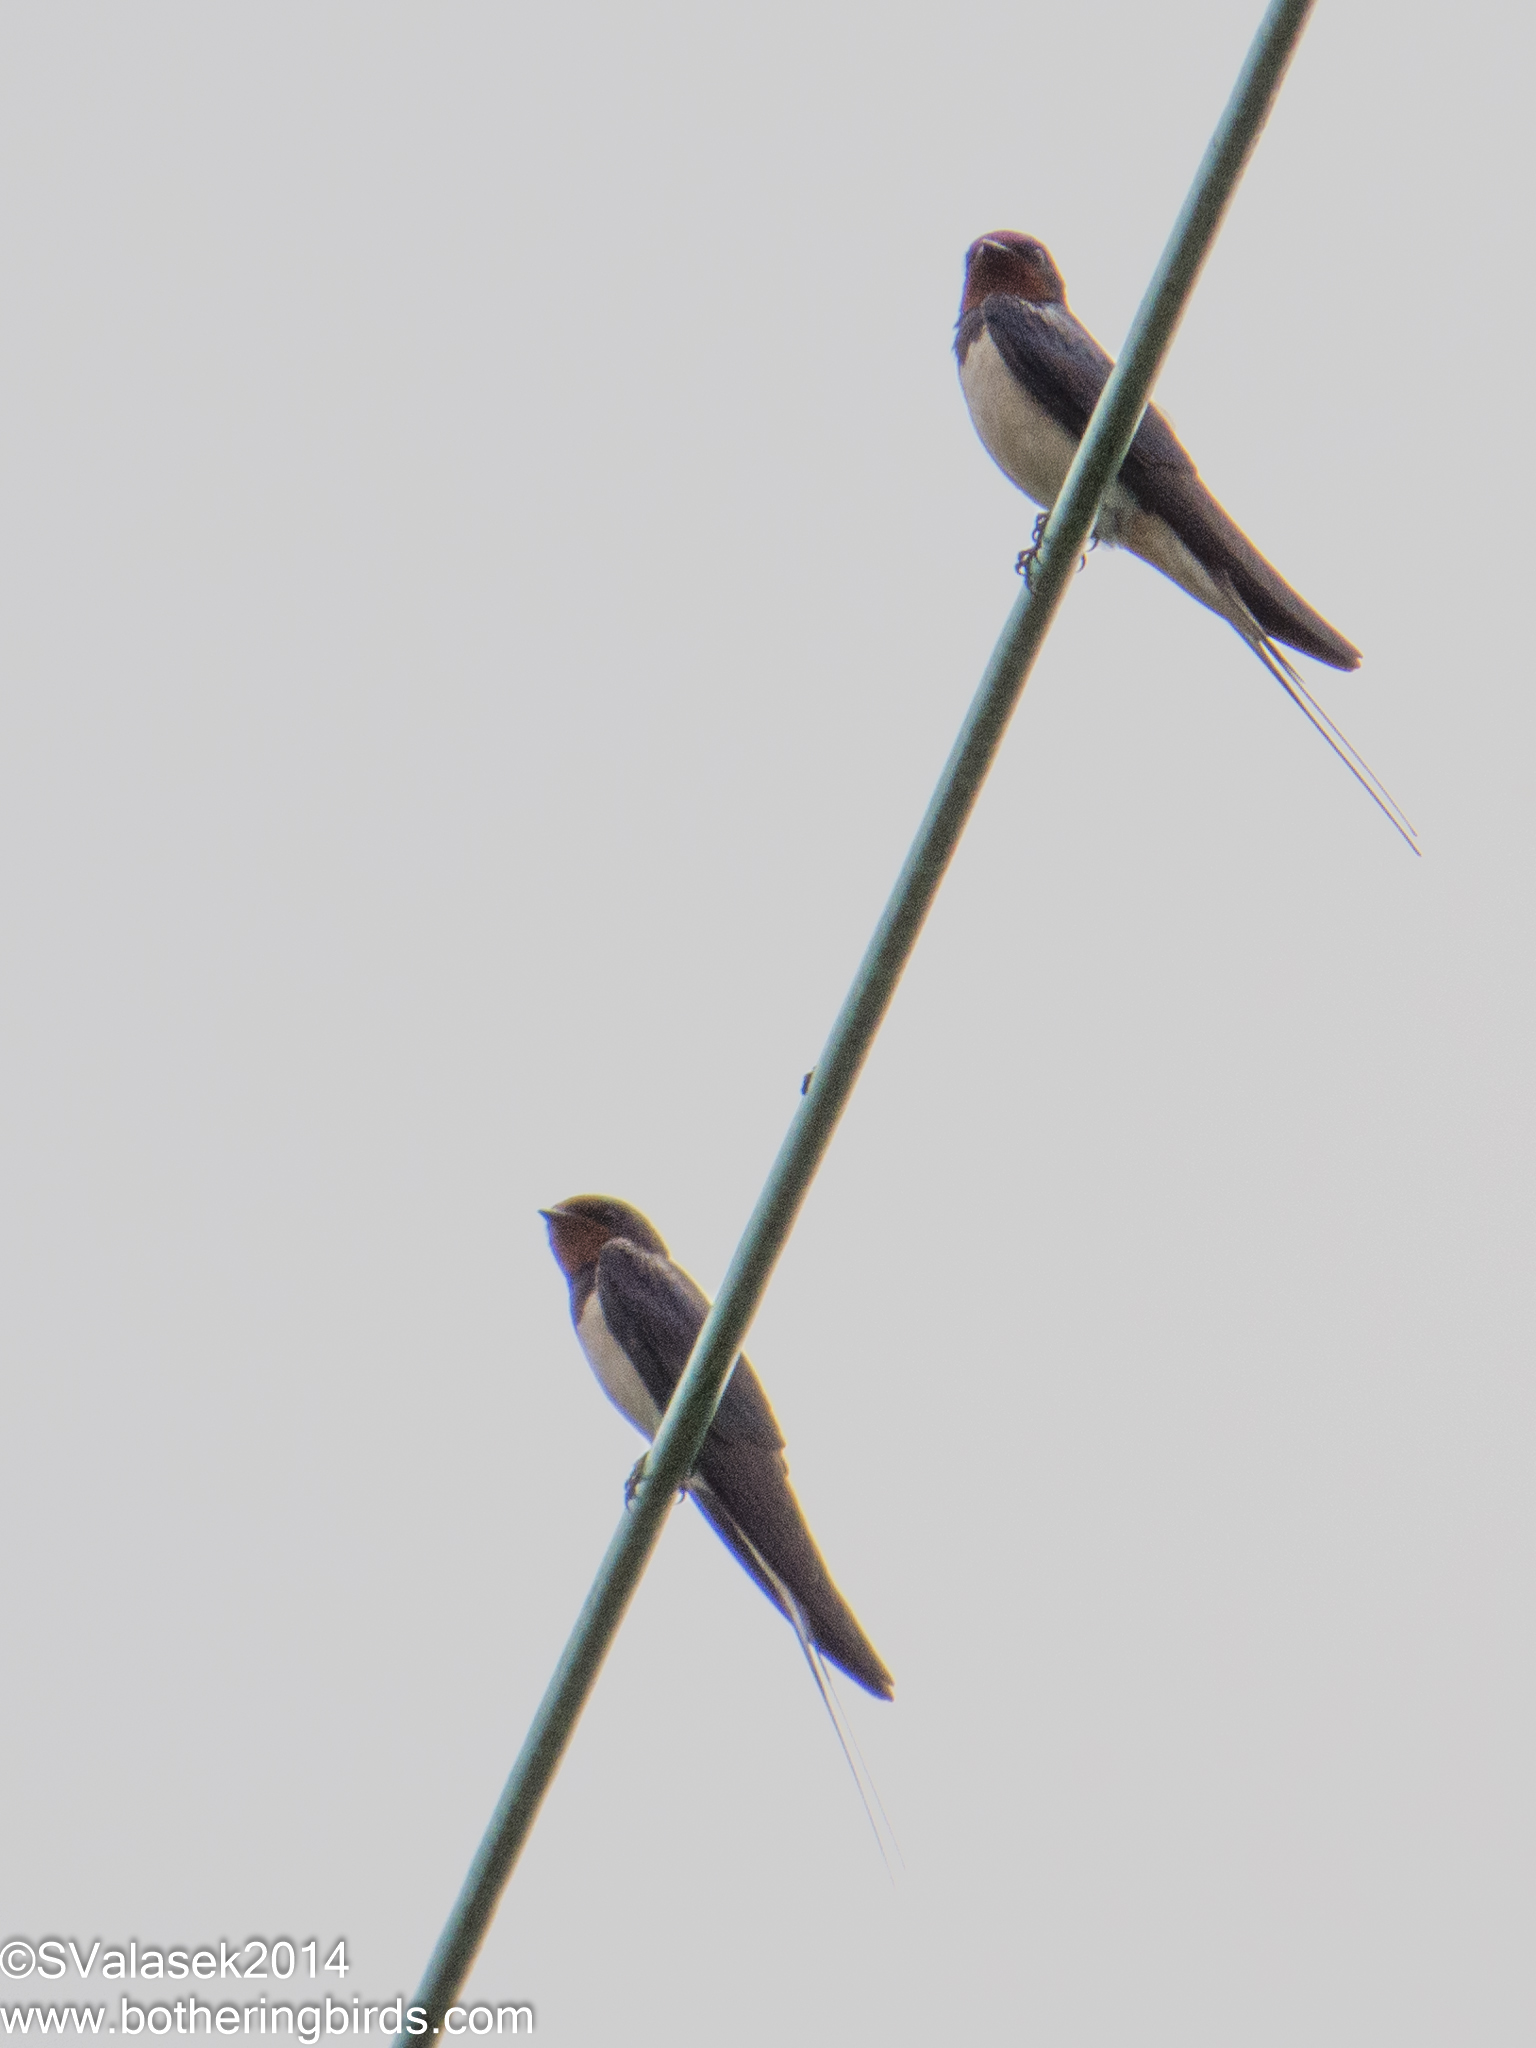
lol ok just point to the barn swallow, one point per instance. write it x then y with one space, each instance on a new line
1032 374
637 1317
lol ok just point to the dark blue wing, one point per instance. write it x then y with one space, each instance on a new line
656 1312
741 1483
1063 368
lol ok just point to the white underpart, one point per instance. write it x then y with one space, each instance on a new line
1021 437
1156 542
1035 452
615 1373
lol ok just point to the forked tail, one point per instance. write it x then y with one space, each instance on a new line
794 1613
842 1728
1289 681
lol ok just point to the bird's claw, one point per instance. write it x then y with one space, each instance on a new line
1025 565
636 1479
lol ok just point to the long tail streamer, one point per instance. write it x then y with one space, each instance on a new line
1318 718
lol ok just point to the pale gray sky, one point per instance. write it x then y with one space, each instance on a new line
492 558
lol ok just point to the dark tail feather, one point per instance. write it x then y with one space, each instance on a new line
752 1561
848 1742
1321 723
780 1554
1229 555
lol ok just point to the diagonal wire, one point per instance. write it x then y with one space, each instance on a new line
692 1407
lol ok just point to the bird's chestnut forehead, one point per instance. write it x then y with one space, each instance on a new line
580 1226
1013 263
575 1239
1010 239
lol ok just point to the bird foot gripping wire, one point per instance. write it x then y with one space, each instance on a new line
637 1478
1025 565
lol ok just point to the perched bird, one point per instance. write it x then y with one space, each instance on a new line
1032 374
637 1316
